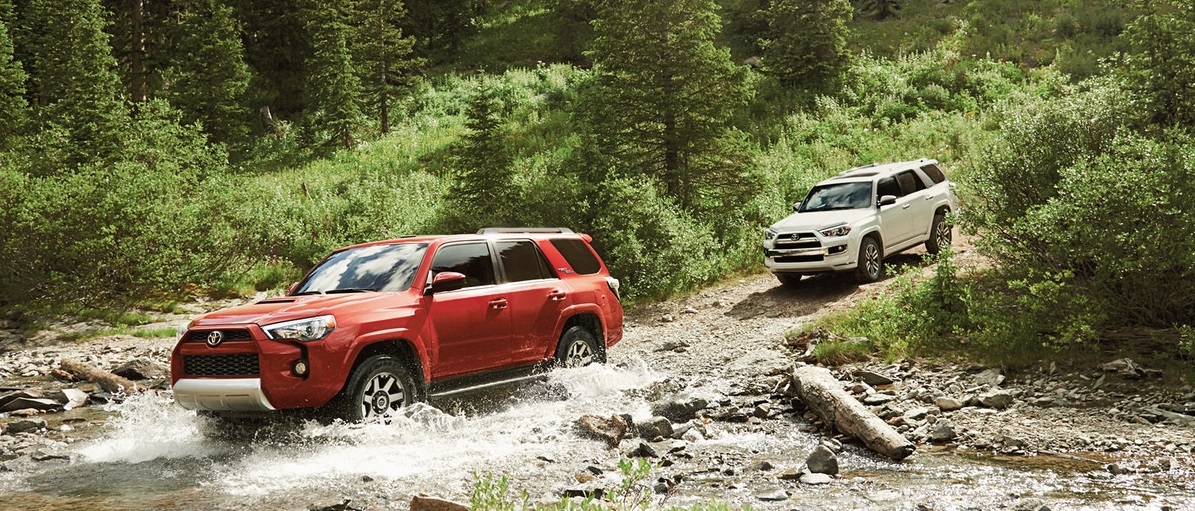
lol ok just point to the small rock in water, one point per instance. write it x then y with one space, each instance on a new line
425 503
822 461
142 369
25 426
816 479
655 427
773 494
612 430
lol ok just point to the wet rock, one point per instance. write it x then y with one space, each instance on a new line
46 455
998 399
142 369
942 432
425 503
24 426
916 414
872 378
815 478
1030 505
611 430
655 427
822 461
766 362
947 404
681 407
27 399
773 494
71 398
1117 470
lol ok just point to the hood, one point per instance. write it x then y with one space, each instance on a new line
286 308
815 220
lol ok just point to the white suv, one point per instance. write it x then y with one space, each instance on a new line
857 218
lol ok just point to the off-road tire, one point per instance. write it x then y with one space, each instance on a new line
578 347
940 235
790 280
381 385
871 261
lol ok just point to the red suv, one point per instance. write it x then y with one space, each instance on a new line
377 326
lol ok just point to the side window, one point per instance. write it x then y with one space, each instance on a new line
935 174
887 186
578 255
522 261
471 259
909 182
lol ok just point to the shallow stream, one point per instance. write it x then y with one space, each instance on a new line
151 454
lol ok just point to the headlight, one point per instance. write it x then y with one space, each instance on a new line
769 234
836 231
310 329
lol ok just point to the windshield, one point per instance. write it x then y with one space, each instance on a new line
373 268
830 197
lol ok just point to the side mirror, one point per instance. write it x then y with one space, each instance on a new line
797 206
887 200
291 290
446 281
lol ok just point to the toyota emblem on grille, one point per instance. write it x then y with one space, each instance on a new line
215 338
795 236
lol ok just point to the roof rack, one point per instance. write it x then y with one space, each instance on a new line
525 230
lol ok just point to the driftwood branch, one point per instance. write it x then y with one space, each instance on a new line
823 393
106 380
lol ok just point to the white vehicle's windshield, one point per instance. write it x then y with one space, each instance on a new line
373 268
836 196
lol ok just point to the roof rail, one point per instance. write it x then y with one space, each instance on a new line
525 230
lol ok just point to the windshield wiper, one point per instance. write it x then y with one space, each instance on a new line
352 290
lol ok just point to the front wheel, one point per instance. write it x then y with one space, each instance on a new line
790 280
939 235
871 261
380 386
578 347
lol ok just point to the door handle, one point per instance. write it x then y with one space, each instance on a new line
498 303
556 295
906 206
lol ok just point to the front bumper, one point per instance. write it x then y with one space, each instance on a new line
819 256
222 395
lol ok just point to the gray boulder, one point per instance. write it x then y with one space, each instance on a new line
822 461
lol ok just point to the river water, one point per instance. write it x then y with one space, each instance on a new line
151 454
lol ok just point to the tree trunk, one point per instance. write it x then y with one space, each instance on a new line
106 380
137 59
823 393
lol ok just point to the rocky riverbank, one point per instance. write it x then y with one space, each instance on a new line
727 370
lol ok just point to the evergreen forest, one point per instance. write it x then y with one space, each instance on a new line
152 151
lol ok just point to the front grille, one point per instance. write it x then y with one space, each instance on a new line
789 241
229 335
800 259
241 364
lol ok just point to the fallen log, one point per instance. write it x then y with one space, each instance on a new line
824 394
106 380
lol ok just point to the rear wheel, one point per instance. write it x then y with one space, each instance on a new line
940 235
871 261
380 386
578 347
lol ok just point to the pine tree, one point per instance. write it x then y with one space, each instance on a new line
383 54
806 43
332 89
1161 65
439 26
662 98
483 193
13 108
77 100
879 9
209 77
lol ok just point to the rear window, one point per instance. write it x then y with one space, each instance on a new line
934 173
578 255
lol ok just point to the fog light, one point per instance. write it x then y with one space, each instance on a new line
300 367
